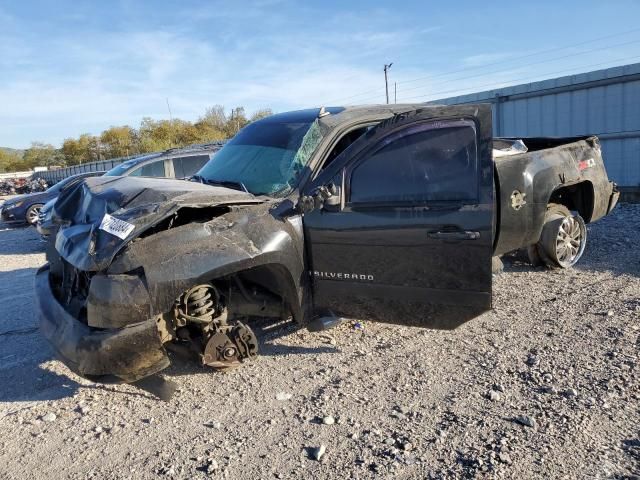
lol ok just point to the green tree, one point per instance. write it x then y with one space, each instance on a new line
262 113
73 154
10 161
236 121
156 135
121 141
212 125
85 149
118 141
41 155
215 117
208 133
184 133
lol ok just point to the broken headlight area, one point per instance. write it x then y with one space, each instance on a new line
117 301
70 286
199 324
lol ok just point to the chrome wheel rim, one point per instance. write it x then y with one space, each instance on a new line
570 240
32 214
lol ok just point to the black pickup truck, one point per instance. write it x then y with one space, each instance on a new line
387 213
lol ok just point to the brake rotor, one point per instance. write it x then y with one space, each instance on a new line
229 350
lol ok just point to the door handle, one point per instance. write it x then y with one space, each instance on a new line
457 235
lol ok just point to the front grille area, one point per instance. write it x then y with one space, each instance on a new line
72 290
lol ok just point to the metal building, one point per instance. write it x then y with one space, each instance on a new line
604 102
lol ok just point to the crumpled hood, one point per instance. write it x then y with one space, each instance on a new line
141 202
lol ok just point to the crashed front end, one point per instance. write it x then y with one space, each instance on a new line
103 297
94 340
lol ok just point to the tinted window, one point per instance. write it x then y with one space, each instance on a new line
184 167
153 169
119 169
420 163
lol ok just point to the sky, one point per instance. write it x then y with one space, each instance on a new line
69 67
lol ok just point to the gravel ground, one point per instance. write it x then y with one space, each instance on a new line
544 386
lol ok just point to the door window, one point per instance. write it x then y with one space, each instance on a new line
153 169
431 162
184 167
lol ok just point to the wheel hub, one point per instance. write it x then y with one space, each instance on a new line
569 240
231 348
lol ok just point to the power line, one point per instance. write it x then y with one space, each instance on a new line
527 65
520 57
353 96
508 59
501 84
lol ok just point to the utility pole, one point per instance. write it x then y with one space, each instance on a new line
169 108
170 123
386 80
234 115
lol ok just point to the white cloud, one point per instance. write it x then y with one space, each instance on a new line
83 72
89 81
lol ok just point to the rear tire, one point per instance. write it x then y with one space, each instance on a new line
563 238
32 213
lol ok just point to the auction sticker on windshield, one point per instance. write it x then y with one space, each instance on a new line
116 227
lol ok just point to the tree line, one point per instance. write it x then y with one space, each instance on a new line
125 141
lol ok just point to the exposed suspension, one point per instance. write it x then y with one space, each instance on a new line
201 320
199 304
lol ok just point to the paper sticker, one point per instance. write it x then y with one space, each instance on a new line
116 227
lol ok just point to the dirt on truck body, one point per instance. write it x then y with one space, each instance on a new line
388 213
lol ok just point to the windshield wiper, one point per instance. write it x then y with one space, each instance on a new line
222 183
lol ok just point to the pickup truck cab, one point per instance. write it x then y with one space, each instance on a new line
388 213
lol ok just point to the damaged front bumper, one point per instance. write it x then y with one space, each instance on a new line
108 355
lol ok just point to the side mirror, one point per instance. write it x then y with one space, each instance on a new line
323 197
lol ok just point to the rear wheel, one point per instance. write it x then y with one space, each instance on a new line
32 213
563 238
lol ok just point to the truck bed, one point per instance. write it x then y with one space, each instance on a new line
552 170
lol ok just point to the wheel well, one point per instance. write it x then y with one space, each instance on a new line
267 285
577 197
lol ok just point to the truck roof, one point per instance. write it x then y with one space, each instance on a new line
339 115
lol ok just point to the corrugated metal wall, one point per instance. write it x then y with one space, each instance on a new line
604 102
54 176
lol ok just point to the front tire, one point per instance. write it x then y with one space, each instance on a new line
563 238
32 213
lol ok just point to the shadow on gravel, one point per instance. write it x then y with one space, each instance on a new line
267 332
517 262
19 239
596 258
632 448
31 382
16 287
186 364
